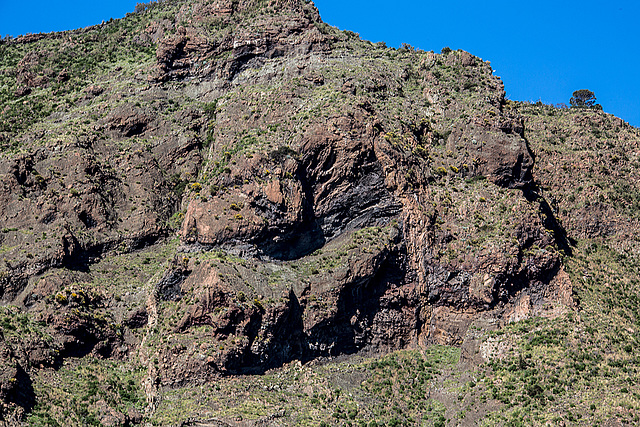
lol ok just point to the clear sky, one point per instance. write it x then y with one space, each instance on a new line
543 50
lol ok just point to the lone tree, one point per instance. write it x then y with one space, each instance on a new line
583 98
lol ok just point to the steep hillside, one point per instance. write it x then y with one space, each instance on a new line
232 213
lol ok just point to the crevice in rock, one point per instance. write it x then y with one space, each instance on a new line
168 288
295 244
286 341
362 307
22 393
78 258
87 219
531 192
564 242
534 285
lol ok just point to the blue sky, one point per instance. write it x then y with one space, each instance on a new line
543 50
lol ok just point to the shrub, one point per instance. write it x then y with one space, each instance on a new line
210 109
282 153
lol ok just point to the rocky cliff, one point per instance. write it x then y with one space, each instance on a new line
203 190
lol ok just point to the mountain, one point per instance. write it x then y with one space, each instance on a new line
231 213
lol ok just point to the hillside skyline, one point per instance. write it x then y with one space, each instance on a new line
542 52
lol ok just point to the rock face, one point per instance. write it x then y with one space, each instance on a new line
259 188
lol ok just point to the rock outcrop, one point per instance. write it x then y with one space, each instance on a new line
256 187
